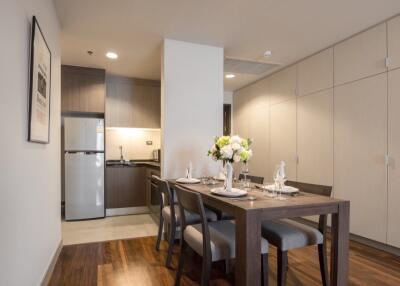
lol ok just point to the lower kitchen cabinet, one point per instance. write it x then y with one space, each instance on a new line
125 187
153 201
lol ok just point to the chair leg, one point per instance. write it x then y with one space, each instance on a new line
282 266
180 263
323 265
171 240
160 230
264 269
206 271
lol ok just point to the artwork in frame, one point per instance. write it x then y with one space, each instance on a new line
40 87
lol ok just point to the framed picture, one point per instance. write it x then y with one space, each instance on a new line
40 87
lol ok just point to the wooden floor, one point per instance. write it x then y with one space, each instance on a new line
136 262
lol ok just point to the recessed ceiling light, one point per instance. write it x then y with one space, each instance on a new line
268 53
112 55
229 75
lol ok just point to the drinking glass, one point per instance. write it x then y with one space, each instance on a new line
245 171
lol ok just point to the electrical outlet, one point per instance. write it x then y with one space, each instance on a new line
149 142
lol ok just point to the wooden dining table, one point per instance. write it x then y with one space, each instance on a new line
249 215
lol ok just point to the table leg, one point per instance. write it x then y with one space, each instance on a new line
340 245
248 249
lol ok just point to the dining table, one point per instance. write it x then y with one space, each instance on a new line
254 208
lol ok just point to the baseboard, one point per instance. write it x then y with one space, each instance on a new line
127 211
360 239
50 269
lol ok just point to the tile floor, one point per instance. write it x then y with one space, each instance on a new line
110 228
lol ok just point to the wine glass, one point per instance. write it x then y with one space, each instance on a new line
245 172
280 181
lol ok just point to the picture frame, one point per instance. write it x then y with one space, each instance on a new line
39 87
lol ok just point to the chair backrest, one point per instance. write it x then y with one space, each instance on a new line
311 188
316 190
191 202
253 179
166 196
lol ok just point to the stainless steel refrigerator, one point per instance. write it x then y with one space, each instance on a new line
84 168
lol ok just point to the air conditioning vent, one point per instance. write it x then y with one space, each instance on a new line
246 67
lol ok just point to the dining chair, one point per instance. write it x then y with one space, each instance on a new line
169 212
213 241
253 179
287 234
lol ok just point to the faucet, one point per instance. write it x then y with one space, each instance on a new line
121 156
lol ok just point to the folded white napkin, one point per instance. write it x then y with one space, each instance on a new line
286 189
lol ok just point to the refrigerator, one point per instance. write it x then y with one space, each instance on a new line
84 168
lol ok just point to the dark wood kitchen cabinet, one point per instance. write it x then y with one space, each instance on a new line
133 103
125 187
83 89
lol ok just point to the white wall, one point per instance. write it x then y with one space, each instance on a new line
30 220
191 106
228 97
133 142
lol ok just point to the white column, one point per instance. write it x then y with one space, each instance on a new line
191 106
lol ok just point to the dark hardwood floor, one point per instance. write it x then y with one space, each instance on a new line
136 262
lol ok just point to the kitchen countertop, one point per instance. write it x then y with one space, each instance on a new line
132 163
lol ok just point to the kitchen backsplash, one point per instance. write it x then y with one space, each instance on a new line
133 142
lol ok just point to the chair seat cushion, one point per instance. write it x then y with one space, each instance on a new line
190 217
222 236
288 234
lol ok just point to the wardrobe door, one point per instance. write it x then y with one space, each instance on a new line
282 85
360 140
393 27
283 137
259 129
394 162
316 72
360 56
315 138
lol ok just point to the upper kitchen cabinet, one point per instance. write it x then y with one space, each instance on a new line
361 56
393 27
282 85
82 89
133 103
360 145
316 73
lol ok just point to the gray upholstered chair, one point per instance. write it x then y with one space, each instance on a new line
253 179
169 213
288 234
214 241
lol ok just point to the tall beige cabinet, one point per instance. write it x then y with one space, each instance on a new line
333 118
393 233
251 120
315 119
360 148
283 101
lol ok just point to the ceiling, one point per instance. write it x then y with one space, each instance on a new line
291 29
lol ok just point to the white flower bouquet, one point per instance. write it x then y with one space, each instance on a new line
231 149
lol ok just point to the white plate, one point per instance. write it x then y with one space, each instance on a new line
232 194
188 181
219 178
286 189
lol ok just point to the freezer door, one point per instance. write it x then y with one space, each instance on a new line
83 134
84 186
